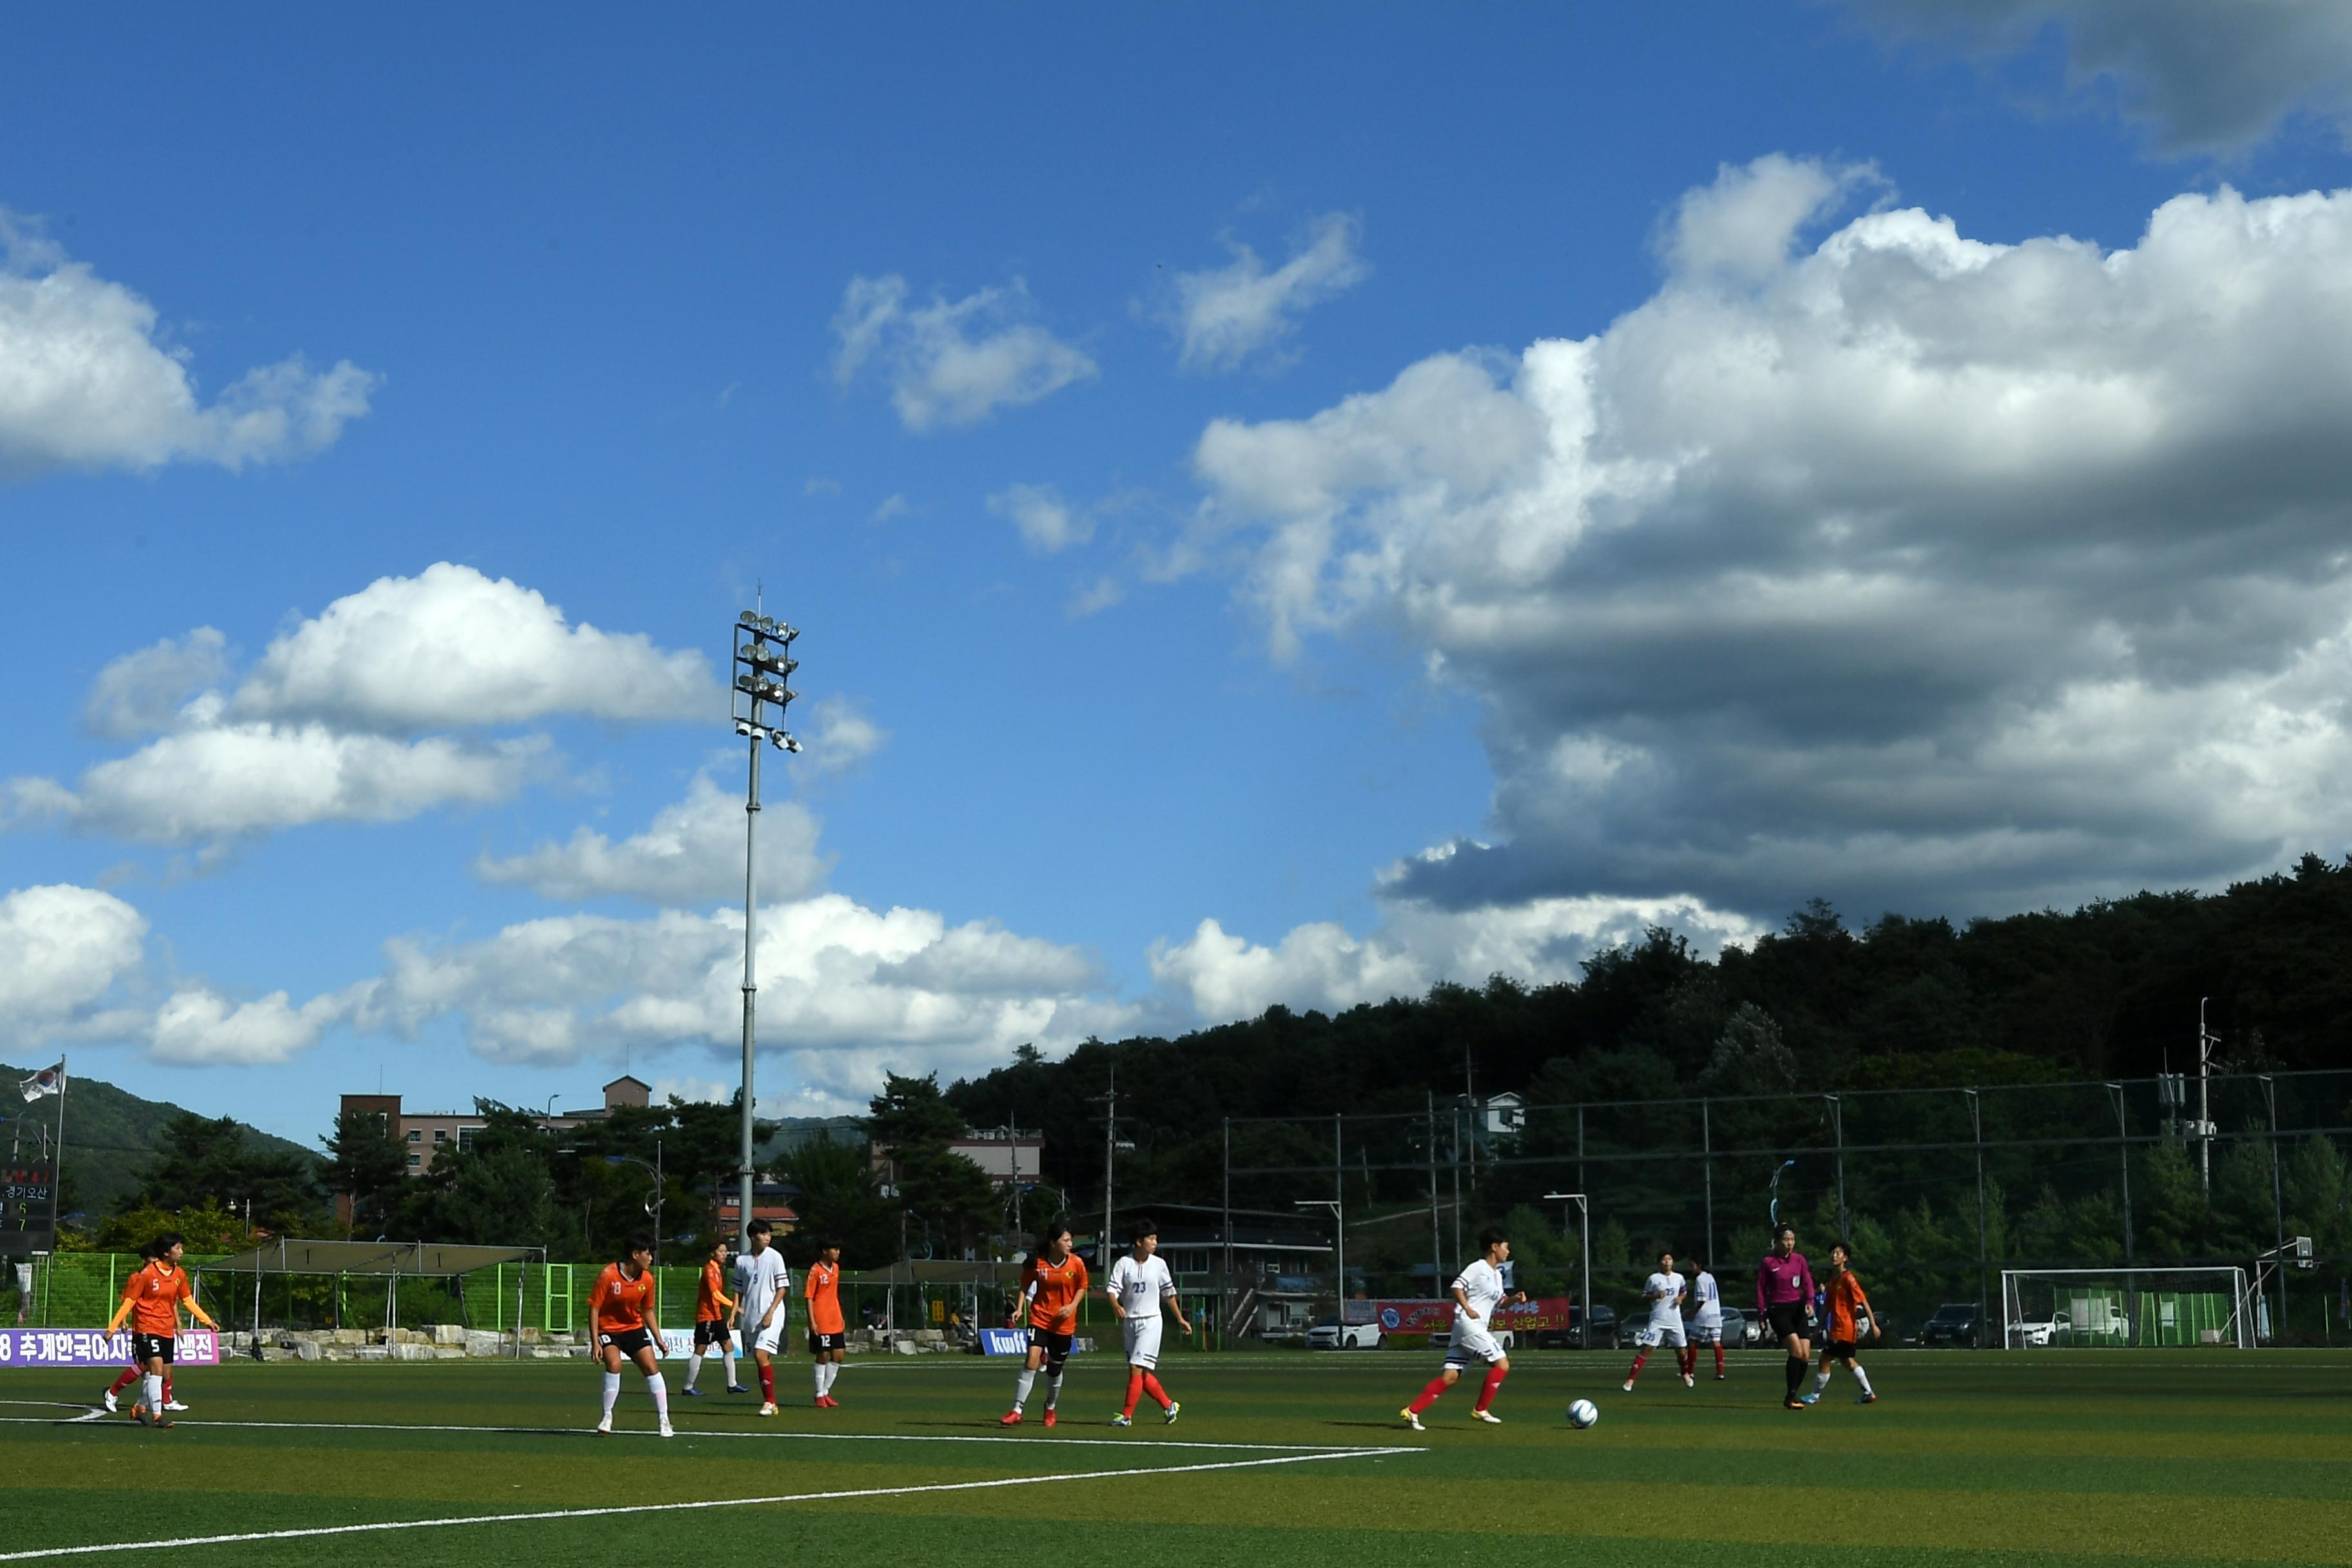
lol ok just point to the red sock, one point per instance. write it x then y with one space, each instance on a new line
1495 1375
1688 1357
1429 1396
1152 1386
129 1375
1718 1361
1134 1389
1641 1358
767 1383
167 1388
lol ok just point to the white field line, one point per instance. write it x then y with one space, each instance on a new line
541 1516
88 1412
1306 1450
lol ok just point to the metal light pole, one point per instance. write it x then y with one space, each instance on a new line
655 1211
1339 1207
1583 1229
764 659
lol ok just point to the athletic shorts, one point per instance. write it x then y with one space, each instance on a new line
1707 1332
1789 1318
711 1332
628 1341
819 1343
1055 1346
1470 1344
1661 1332
1143 1342
1839 1350
145 1348
772 1338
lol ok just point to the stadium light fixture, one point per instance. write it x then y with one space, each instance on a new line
763 661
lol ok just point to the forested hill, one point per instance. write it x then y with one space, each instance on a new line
111 1137
2108 990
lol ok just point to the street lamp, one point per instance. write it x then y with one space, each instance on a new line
1583 1229
763 659
1339 1240
655 1209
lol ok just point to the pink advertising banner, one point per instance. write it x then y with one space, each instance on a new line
96 1347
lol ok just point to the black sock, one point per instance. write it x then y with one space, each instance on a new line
1796 1370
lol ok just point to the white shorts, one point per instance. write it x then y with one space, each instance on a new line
772 1338
1471 1344
1143 1342
1661 1332
1706 1331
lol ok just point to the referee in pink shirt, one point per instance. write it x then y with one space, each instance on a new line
1784 1299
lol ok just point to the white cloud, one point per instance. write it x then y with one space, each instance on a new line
142 691
691 856
450 647
1048 524
843 990
1912 570
841 736
62 949
200 1028
892 506
228 779
1093 598
2207 75
952 362
85 382
821 486
1321 965
1227 316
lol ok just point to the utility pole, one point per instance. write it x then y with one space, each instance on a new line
2206 1041
1110 1146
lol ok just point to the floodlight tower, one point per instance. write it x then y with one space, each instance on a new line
763 660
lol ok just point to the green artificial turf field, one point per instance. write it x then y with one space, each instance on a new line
2041 1458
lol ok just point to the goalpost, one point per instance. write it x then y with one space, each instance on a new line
2125 1308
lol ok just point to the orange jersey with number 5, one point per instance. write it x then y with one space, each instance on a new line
156 1293
1054 1289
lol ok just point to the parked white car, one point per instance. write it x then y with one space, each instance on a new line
2056 1329
1329 1335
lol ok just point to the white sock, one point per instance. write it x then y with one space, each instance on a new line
832 1375
1821 1380
732 1380
693 1369
1022 1385
152 1386
1861 1377
1052 1389
611 1392
660 1391
816 1377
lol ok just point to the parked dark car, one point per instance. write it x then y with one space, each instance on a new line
1954 1323
1604 1333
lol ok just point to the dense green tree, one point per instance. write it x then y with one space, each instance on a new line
208 1160
366 1164
838 1198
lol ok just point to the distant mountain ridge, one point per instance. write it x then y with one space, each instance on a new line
111 1135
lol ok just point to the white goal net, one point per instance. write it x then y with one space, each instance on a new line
2125 1308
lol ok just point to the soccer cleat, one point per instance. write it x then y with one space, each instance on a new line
1049 1416
1867 1399
737 1388
1010 1419
1168 1416
605 1427
112 1407
1723 1377
1122 1420
173 1404
665 1431
1689 1382
1411 1419
1814 1397
1792 1404
1489 1416
691 1392
769 1408
1629 1385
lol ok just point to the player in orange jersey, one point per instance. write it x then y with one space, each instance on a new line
1851 1316
826 1333
712 1304
132 1371
622 1314
1052 1283
150 1299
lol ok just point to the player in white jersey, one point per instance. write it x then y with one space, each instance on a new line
1139 1284
1663 1292
1706 1316
761 1283
1477 1291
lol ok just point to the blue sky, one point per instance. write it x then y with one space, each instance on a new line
1429 496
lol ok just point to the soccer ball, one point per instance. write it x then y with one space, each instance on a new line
1584 1414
